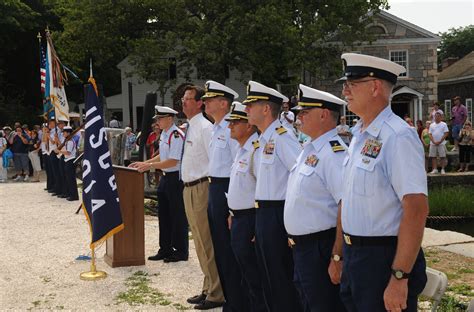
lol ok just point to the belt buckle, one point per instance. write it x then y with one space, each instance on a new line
291 241
347 239
256 205
231 213
209 179
164 173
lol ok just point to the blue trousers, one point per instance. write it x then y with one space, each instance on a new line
275 261
366 273
54 170
241 234
231 280
47 169
60 186
70 179
317 292
172 220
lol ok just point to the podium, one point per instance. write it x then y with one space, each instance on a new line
127 247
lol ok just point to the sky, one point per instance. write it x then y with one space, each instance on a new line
435 16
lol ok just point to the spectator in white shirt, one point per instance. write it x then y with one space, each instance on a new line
287 117
438 133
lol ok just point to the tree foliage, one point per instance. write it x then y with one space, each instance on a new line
457 42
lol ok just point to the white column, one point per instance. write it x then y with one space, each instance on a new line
415 109
420 107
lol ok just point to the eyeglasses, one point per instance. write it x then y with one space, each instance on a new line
351 84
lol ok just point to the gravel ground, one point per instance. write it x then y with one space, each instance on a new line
40 238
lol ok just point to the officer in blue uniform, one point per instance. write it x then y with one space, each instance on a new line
241 201
384 203
172 222
69 155
60 187
277 155
312 198
222 150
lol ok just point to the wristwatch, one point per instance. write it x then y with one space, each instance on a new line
399 274
336 258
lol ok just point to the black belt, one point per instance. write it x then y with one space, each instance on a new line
218 180
170 173
352 240
241 212
322 235
269 203
195 182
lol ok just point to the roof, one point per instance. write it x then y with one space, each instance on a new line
461 70
408 25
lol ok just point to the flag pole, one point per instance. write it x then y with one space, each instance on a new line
93 274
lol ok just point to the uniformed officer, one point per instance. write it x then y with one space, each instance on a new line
45 152
241 199
222 150
312 199
173 227
69 155
384 204
53 161
278 152
60 188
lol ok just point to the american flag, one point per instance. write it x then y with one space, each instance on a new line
43 69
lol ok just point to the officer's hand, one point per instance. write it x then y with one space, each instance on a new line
335 271
134 164
229 221
395 295
143 167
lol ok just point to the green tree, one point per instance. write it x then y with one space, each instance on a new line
457 42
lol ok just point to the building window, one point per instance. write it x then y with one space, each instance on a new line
469 109
400 57
447 110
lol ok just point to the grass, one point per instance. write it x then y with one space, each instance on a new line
451 201
140 293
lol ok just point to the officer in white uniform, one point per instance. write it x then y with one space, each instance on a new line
312 198
60 188
278 152
53 160
172 223
241 200
384 204
222 151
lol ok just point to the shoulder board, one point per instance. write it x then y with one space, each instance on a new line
336 146
256 144
280 130
176 133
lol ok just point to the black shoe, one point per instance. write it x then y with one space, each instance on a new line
175 258
159 256
62 196
72 199
197 299
45 189
53 194
207 305
50 191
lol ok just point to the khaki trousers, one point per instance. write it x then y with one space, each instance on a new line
195 203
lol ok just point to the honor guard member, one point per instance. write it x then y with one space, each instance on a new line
172 224
69 155
53 160
194 173
60 188
384 204
312 198
241 199
45 152
277 155
222 150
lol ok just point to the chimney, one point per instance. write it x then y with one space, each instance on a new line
448 62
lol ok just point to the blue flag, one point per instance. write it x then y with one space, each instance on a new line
100 200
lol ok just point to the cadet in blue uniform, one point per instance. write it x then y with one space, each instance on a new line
60 187
69 155
222 151
384 204
278 152
241 200
172 223
312 198
53 160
